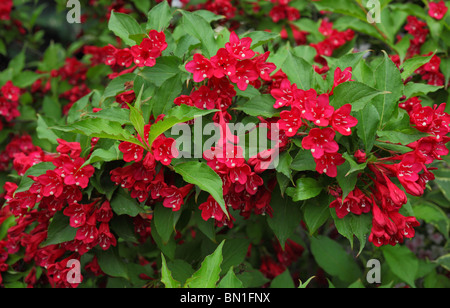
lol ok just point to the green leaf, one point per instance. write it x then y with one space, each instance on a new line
209 273
368 121
299 71
260 38
159 17
388 79
306 283
354 166
163 99
6 224
286 217
443 181
178 114
434 215
303 161
136 116
200 28
342 7
355 93
164 219
412 64
164 69
305 188
444 261
334 260
234 253
284 165
104 155
419 89
59 230
205 178
123 25
111 263
316 212
100 128
346 179
284 280
25 79
230 281
44 132
261 105
402 137
123 204
402 262
166 275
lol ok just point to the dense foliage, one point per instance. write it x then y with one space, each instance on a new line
227 143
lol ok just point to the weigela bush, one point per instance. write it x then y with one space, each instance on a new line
255 140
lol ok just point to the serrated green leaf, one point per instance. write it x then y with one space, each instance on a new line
209 273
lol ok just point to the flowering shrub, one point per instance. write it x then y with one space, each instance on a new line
249 141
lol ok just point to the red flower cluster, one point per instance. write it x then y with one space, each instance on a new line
57 190
310 110
141 177
282 11
5 9
125 60
418 29
9 103
236 61
285 257
333 40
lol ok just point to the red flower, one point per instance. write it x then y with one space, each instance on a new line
290 121
341 77
224 63
201 67
75 175
245 73
211 209
11 92
104 213
240 48
52 184
150 48
88 233
204 98
319 111
264 68
164 150
342 121
437 9
72 148
285 95
174 196
105 237
320 141
328 164
131 152
78 214
356 202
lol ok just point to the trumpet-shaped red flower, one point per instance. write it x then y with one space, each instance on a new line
342 121
224 64
164 150
240 48
328 164
320 141
437 9
319 111
200 67
290 121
